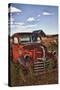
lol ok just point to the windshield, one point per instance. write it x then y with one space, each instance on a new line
25 38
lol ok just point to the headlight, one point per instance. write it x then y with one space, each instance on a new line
27 57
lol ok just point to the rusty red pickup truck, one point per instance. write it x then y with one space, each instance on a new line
27 47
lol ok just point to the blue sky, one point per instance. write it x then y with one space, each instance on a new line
27 18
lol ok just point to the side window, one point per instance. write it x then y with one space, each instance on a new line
34 37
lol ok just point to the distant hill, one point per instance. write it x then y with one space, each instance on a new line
55 35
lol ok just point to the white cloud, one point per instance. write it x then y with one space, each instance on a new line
38 15
12 19
30 19
30 26
19 23
20 27
38 19
46 13
14 9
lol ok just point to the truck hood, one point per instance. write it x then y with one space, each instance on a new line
38 50
30 46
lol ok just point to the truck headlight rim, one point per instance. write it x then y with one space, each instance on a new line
27 56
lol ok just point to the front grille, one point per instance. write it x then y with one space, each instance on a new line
39 66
